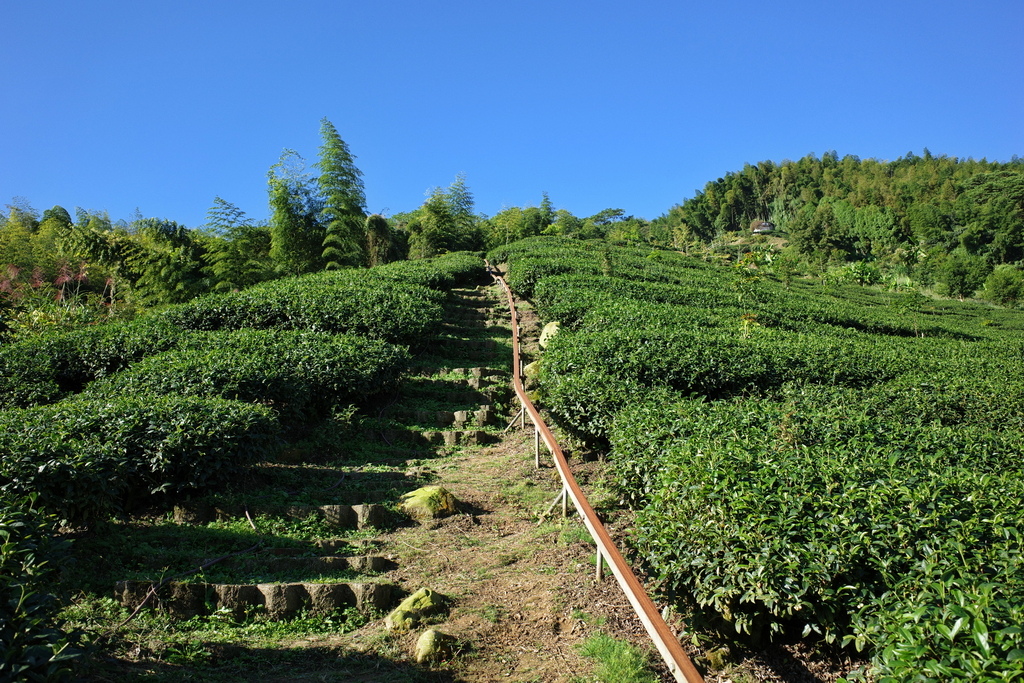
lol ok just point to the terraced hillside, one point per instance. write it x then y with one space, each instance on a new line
288 566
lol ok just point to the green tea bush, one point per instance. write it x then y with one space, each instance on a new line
568 298
531 260
509 253
809 514
303 375
522 277
948 621
48 367
33 644
458 269
397 302
832 461
28 375
701 363
335 301
87 458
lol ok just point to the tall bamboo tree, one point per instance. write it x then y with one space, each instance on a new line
238 249
344 201
296 234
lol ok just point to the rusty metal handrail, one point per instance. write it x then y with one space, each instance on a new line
668 645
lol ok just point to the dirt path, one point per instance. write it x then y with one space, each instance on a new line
523 588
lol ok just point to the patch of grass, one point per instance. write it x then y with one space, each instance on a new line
587 618
574 533
492 613
525 493
617 660
153 550
548 529
506 559
156 639
242 663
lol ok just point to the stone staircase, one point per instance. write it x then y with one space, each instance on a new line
456 395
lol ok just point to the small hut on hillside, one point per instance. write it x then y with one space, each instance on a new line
759 227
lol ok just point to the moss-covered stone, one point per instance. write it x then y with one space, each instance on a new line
435 646
416 609
718 658
429 502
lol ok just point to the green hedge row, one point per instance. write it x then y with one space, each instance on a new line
803 459
646 276
458 269
571 299
302 375
336 301
49 367
388 306
89 458
588 376
815 515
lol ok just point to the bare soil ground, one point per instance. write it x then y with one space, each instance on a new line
524 593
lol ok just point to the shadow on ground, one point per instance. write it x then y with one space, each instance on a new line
232 663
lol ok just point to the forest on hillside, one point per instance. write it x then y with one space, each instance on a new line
957 224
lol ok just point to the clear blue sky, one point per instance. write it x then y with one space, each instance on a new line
112 105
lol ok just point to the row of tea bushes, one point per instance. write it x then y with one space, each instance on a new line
303 375
90 458
814 515
574 300
49 367
458 269
721 298
88 454
802 459
398 302
534 266
587 376
335 301
253 358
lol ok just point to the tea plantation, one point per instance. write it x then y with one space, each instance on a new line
100 421
841 464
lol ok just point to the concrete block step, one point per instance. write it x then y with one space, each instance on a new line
482 416
340 516
281 600
475 437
